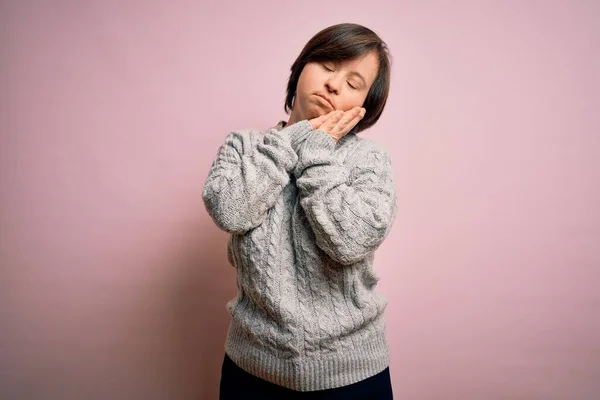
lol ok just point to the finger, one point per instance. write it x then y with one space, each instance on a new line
316 122
331 121
351 125
350 117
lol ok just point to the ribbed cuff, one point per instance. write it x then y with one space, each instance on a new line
297 132
303 373
319 143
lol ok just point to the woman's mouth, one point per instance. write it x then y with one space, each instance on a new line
324 100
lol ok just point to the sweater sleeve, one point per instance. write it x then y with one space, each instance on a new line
350 215
248 174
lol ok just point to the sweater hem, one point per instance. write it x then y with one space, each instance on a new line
309 373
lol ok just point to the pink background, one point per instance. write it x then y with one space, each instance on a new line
114 280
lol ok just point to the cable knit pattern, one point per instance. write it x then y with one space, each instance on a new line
248 175
306 215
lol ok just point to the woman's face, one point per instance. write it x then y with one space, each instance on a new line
328 85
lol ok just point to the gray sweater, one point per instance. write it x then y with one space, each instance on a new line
305 215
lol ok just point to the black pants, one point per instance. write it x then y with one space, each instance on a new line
237 384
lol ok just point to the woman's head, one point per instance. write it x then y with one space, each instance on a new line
341 67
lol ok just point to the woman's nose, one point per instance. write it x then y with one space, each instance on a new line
333 85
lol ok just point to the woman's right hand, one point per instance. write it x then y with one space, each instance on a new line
338 123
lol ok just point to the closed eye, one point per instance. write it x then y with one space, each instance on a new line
327 67
353 86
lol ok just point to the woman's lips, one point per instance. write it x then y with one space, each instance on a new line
324 100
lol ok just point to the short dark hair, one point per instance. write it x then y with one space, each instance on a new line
340 43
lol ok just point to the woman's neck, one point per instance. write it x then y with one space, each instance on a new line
294 117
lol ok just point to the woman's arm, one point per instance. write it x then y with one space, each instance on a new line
248 175
350 219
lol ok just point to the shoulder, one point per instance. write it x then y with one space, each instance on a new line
255 133
242 132
243 135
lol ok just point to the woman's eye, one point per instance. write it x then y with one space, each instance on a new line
327 67
353 86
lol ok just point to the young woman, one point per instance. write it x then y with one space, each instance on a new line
307 203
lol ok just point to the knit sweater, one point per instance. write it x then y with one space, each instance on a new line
306 214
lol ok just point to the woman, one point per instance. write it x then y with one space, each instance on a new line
307 203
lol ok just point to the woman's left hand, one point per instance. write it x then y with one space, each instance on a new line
338 123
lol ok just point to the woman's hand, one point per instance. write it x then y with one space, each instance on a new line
338 123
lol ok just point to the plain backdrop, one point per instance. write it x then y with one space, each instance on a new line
114 280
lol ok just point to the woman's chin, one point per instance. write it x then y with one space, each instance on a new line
316 111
